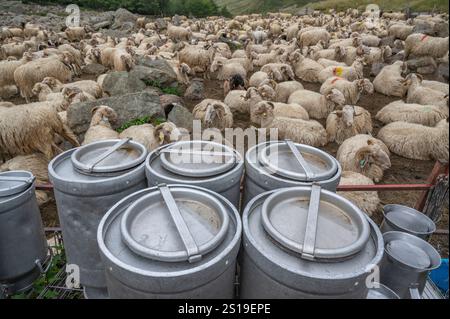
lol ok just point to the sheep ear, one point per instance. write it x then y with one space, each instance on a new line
420 76
338 113
370 142
271 105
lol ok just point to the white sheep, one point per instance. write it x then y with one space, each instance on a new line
284 89
351 90
312 36
7 68
327 62
27 75
262 59
292 110
424 95
239 101
348 122
88 86
228 70
199 59
100 127
306 69
418 44
417 141
364 154
279 72
367 201
390 81
257 78
350 73
428 115
42 124
436 85
176 33
213 114
308 132
317 105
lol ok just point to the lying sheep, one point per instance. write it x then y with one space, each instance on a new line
280 72
42 123
350 73
240 101
418 44
262 59
351 90
117 59
364 154
293 111
100 127
284 89
37 164
45 93
317 105
257 78
417 141
27 75
348 122
400 30
326 63
213 114
367 201
390 81
424 95
308 132
436 85
428 115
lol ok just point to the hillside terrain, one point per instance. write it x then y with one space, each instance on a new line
293 6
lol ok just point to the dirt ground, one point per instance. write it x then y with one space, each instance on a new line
403 171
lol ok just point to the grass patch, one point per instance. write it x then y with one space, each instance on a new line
165 89
139 121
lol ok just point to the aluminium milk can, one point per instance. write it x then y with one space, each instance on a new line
88 181
171 241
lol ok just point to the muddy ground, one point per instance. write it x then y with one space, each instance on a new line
403 171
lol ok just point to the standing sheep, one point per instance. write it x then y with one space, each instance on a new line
417 141
424 95
364 154
418 44
213 114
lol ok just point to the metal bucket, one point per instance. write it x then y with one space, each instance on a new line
279 164
406 264
382 292
214 166
306 242
88 181
23 247
408 220
175 241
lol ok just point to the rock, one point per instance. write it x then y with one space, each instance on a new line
442 72
118 83
429 69
123 15
94 69
18 20
415 64
102 25
158 71
195 91
180 116
167 99
128 107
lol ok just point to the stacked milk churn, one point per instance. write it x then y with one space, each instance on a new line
169 224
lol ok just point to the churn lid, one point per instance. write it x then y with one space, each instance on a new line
174 224
410 250
297 161
314 226
108 156
15 182
198 158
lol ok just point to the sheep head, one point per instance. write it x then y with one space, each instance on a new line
103 115
340 53
372 154
216 66
38 87
127 61
51 82
251 93
364 85
167 132
264 113
336 97
266 92
214 114
287 71
347 115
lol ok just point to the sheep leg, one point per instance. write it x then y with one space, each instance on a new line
69 135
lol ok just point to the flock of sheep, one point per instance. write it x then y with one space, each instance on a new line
263 64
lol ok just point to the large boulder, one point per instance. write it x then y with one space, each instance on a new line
122 16
128 107
180 116
122 82
94 69
157 72
196 90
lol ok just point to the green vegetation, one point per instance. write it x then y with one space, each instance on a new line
165 89
196 8
139 121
